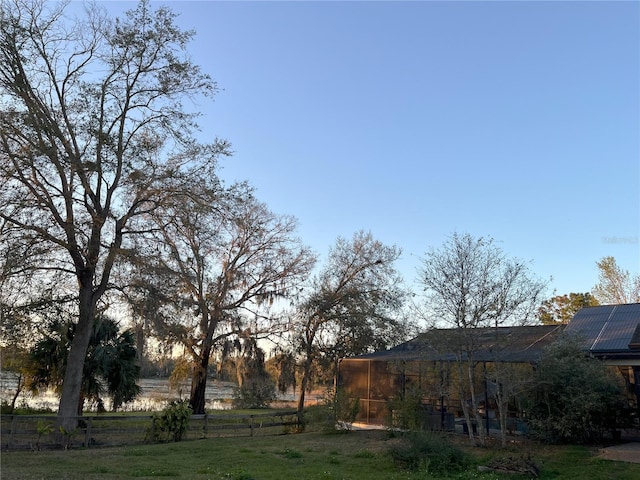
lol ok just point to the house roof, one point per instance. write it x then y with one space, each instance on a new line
512 344
608 330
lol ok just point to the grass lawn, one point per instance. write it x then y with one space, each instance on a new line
356 455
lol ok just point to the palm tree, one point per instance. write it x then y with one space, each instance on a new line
110 368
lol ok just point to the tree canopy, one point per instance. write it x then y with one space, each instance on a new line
94 134
215 271
615 285
352 306
561 308
471 285
470 282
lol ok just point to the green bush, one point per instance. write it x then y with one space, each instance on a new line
344 410
575 398
43 428
171 424
257 392
335 409
406 412
22 409
428 452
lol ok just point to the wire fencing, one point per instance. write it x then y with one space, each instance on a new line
38 432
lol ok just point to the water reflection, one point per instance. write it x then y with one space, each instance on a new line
156 394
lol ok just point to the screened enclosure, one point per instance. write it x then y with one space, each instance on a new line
431 364
429 367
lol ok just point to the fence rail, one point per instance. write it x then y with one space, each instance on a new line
35 432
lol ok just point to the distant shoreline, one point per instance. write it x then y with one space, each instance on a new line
156 393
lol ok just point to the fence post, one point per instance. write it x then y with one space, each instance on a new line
13 431
251 424
87 432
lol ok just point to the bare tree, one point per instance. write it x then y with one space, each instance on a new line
507 381
352 305
93 133
221 269
615 286
470 285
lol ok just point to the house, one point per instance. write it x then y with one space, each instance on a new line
426 363
611 333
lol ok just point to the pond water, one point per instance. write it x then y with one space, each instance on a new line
156 394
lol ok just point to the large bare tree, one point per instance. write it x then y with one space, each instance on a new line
222 266
352 306
471 285
93 133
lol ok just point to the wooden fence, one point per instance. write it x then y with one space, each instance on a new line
35 432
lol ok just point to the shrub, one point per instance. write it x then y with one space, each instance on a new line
22 409
171 424
256 392
43 428
343 409
336 409
428 452
576 399
406 412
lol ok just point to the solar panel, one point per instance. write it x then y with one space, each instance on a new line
606 328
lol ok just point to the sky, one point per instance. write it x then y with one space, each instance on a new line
514 120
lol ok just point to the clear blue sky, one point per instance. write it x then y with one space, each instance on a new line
516 120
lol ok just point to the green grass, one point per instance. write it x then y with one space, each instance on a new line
581 462
357 455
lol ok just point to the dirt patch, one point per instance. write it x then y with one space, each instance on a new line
627 452
522 465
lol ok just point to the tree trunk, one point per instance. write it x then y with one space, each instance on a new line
503 422
72 383
199 383
306 373
474 403
19 388
463 402
303 389
467 419
141 339
240 370
462 393
502 402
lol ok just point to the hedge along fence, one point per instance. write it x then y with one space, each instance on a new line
35 432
